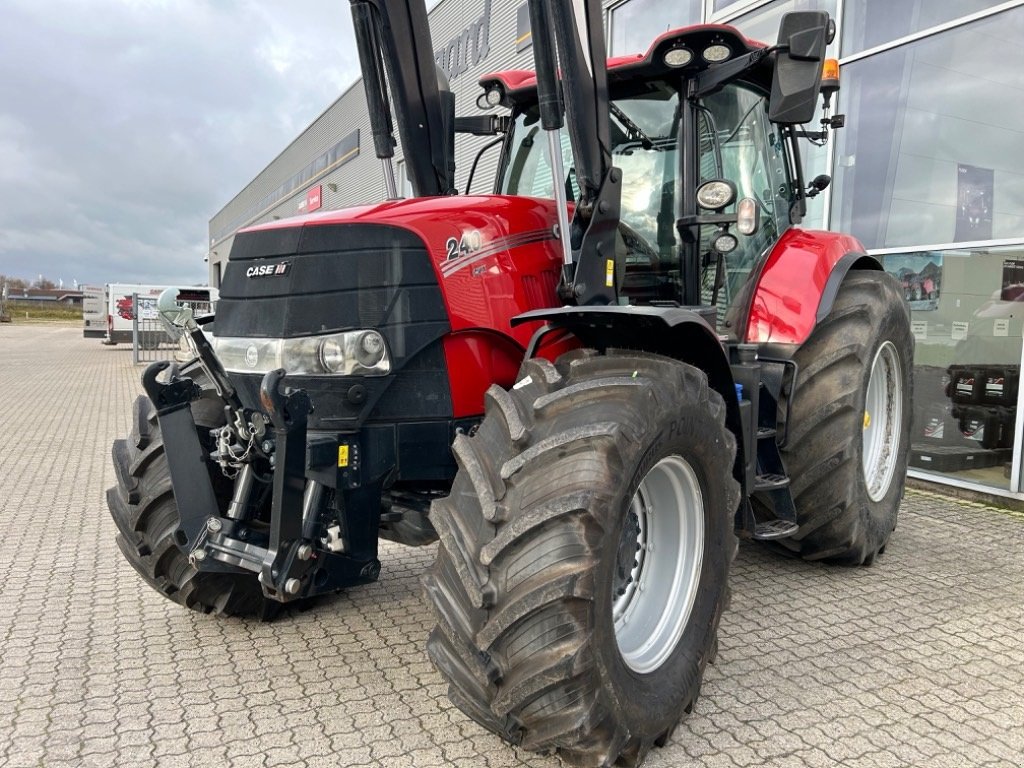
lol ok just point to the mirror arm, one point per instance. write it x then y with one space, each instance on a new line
483 125
706 218
713 78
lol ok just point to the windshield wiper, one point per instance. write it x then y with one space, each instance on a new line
635 131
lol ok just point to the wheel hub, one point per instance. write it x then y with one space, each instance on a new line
658 564
631 546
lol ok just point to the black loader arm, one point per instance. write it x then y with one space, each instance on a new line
576 34
394 35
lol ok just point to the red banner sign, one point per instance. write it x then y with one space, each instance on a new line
313 198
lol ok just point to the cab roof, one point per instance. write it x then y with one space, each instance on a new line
521 85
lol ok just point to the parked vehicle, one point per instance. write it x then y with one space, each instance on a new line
94 312
120 311
586 413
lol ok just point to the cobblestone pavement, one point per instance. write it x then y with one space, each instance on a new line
918 660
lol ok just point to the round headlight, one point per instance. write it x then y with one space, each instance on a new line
716 53
332 355
716 194
724 242
678 57
370 349
493 97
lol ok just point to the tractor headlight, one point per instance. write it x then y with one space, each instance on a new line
370 349
678 57
716 53
298 355
353 353
716 195
490 98
724 242
332 355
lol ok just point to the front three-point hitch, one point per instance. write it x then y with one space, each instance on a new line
290 529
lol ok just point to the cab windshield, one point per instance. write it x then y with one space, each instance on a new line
734 141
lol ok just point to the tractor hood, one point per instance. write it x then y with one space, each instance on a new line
458 231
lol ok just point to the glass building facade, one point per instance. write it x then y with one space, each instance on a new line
929 175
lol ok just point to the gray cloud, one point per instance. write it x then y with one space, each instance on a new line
125 125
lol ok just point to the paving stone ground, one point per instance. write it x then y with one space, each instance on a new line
917 660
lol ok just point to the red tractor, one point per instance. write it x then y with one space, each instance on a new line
586 385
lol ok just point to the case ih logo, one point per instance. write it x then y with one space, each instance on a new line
268 270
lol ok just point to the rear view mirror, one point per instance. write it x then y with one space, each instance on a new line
803 36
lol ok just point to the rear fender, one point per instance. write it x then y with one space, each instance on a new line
797 285
673 332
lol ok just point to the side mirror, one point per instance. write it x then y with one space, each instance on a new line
796 82
177 315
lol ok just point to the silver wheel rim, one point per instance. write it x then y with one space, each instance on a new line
883 418
652 609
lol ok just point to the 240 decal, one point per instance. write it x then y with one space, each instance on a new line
470 242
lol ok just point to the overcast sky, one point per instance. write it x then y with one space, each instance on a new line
126 124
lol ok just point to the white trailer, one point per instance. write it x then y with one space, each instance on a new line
121 312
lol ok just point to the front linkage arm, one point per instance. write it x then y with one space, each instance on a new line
186 460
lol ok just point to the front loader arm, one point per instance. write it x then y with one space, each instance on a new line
574 52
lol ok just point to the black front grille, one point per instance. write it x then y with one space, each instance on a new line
338 278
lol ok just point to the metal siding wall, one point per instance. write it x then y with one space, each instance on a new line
360 180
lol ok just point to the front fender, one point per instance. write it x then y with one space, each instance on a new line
674 332
798 283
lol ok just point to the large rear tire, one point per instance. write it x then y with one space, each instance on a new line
849 425
143 507
584 557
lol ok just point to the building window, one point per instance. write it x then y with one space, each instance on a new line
931 151
869 23
636 24
763 24
725 7
967 314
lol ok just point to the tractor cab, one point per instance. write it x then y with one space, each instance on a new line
709 183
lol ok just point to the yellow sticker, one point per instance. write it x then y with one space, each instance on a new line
342 455
609 273
867 419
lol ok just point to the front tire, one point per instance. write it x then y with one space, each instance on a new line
848 435
144 510
560 625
